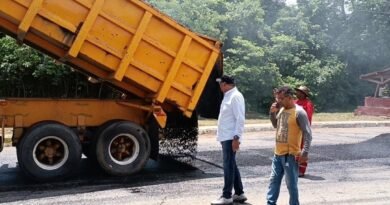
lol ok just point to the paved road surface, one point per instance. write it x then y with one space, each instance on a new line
348 166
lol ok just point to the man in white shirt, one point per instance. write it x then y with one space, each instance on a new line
231 121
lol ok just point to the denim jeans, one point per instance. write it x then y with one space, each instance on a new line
231 173
281 165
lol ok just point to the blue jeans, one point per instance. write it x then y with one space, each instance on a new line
281 165
231 173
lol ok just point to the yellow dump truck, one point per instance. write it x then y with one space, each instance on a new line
162 68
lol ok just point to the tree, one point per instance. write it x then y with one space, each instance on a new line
25 72
324 44
204 16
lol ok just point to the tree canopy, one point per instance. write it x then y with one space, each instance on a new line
323 44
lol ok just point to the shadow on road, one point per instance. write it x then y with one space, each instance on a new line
14 187
91 179
313 177
377 147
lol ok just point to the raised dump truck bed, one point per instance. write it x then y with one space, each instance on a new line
126 43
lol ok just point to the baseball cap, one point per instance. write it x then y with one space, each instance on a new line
225 79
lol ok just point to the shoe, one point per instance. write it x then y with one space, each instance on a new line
222 201
301 175
239 198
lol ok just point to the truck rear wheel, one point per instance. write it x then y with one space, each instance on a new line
49 151
89 148
122 148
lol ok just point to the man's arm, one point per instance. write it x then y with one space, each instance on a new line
238 105
309 110
304 124
272 114
272 117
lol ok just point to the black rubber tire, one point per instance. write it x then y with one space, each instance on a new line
89 148
138 156
37 169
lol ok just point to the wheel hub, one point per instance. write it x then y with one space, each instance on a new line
124 149
50 152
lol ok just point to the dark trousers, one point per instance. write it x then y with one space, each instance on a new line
231 173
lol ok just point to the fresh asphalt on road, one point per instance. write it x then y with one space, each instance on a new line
347 166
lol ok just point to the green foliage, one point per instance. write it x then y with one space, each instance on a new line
324 44
245 18
245 51
28 73
256 79
25 72
328 82
204 16
257 84
287 53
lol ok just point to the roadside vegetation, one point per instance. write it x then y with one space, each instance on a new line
325 45
253 118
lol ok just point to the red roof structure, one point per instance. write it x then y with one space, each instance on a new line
378 77
376 106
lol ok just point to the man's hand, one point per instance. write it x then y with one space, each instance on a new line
302 159
235 145
274 107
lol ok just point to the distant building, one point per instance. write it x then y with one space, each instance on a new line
381 78
379 105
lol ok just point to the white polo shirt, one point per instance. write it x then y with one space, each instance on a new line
231 117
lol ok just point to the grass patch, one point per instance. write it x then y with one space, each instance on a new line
318 117
348 116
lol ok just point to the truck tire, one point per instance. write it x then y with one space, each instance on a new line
49 151
89 148
122 148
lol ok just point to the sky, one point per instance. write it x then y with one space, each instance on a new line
291 2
